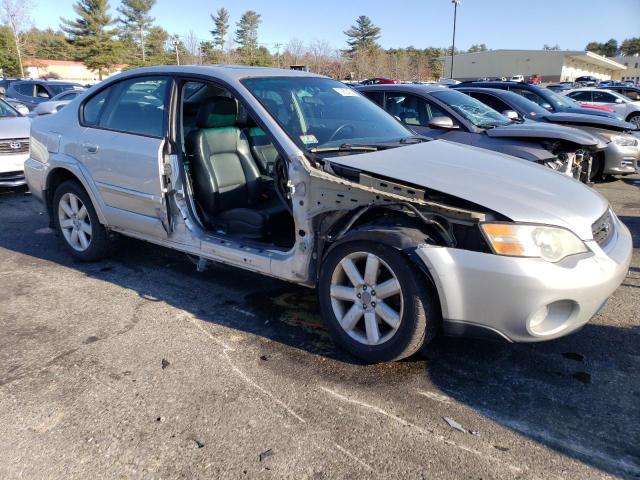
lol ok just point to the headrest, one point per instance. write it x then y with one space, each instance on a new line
217 112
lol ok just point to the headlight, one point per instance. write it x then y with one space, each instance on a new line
538 241
623 140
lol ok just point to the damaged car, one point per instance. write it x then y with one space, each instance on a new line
447 114
621 156
299 177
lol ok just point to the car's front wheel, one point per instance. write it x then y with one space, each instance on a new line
635 119
77 223
375 304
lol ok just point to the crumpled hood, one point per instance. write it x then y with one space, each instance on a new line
530 129
590 120
14 127
518 189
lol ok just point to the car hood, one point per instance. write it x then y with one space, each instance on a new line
590 120
543 130
591 111
14 127
518 189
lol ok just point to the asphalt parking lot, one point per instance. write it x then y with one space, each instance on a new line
141 367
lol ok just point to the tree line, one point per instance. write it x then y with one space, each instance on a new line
611 48
103 40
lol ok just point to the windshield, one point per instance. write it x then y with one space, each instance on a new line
58 88
473 110
560 102
6 110
319 112
526 105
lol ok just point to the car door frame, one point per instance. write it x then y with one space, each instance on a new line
159 223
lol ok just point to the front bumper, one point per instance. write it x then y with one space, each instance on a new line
12 170
525 299
621 160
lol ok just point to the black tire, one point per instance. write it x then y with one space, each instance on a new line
101 244
419 321
634 118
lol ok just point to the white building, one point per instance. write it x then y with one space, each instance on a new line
551 65
632 62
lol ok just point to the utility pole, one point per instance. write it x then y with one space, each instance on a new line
277 45
453 44
175 46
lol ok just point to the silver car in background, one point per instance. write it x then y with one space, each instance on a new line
624 107
299 177
56 103
14 145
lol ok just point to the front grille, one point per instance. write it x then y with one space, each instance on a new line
11 175
602 229
13 146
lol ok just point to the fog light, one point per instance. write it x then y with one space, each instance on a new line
551 318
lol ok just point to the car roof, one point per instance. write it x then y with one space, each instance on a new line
408 87
224 72
497 84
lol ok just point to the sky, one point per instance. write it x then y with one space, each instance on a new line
516 24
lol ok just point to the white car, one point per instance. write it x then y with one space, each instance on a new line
14 145
517 78
623 106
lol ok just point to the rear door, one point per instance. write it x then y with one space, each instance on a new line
124 147
608 99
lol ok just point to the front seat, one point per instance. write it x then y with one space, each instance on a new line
227 182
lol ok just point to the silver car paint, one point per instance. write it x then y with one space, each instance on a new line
518 189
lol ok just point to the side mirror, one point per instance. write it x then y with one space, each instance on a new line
511 115
22 110
442 122
619 100
547 106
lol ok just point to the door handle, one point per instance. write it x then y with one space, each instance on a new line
90 147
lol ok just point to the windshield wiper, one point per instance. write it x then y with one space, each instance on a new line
345 147
414 139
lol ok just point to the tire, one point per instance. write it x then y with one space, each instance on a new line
97 244
634 118
414 305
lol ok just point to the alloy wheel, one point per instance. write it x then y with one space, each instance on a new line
75 222
366 298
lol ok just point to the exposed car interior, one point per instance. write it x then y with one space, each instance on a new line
231 166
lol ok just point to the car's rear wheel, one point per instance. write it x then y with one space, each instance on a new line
77 223
374 303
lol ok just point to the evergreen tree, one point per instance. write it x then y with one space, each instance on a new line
136 21
630 46
363 35
221 27
247 36
91 35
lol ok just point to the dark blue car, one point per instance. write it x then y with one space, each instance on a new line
544 97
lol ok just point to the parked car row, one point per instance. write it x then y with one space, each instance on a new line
302 178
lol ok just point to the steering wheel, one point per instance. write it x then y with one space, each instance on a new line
342 127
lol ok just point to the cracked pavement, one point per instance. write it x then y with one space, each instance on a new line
140 367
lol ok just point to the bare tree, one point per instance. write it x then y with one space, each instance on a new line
192 44
15 13
294 50
320 53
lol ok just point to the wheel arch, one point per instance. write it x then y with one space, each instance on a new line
56 177
404 239
631 115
